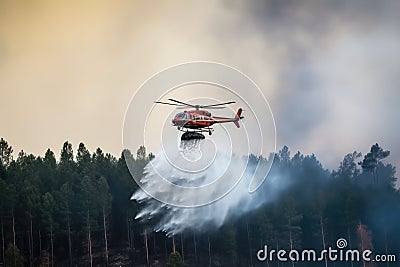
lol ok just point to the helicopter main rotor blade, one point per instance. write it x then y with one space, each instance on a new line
183 103
207 107
216 105
185 107
171 104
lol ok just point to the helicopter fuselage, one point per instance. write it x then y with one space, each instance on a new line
193 119
199 120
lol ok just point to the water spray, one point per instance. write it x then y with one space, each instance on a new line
196 182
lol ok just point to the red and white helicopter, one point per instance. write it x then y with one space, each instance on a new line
198 120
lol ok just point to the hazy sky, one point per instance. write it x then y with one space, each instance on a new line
330 69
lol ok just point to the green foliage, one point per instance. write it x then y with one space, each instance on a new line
348 167
5 153
372 158
175 260
14 257
48 210
83 156
59 196
141 153
67 153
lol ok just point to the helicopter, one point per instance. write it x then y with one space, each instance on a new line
196 121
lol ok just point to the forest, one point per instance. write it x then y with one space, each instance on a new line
74 209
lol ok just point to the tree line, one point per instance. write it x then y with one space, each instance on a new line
76 211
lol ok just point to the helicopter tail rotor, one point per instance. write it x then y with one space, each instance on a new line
238 117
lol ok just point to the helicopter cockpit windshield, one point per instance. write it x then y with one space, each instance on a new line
181 115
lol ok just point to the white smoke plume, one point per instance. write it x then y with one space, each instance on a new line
235 203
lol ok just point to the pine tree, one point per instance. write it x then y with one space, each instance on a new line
14 257
175 260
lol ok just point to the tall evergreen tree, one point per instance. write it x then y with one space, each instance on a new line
372 158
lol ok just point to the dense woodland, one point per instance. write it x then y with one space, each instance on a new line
76 211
